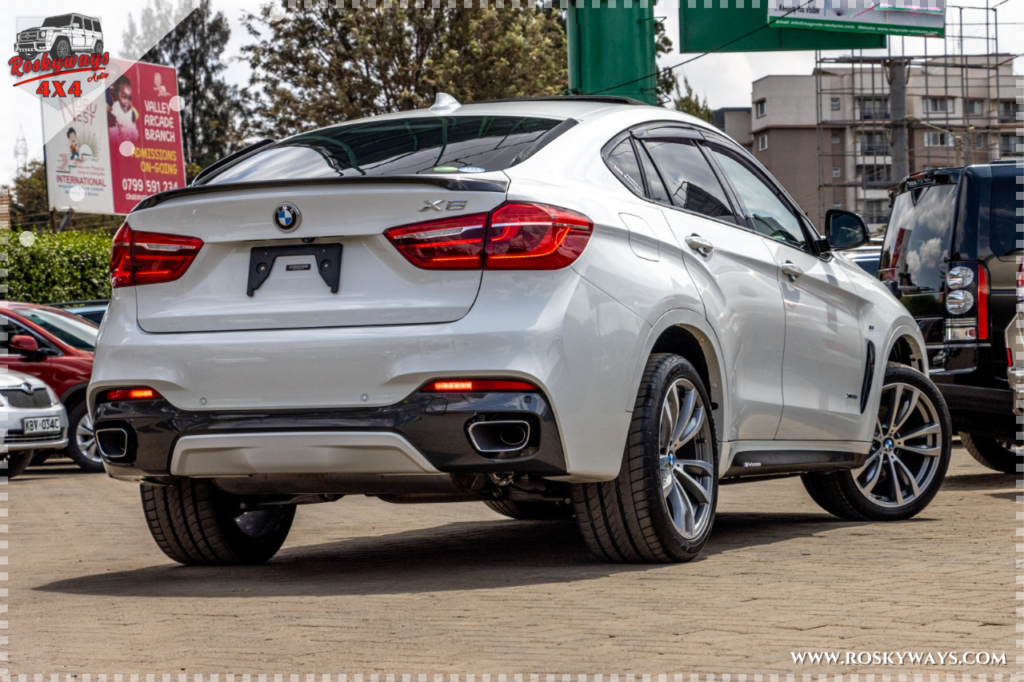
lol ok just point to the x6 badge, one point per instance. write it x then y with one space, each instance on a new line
440 205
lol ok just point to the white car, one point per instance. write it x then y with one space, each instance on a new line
31 418
563 307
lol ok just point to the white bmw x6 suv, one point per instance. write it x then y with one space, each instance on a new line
563 307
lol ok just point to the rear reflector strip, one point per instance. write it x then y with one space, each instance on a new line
477 386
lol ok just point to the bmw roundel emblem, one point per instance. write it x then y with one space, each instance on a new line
287 217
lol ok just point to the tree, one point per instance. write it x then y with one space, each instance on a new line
691 104
316 66
194 45
667 81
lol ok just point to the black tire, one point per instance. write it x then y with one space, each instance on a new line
629 519
40 457
61 48
992 453
197 524
16 463
98 47
839 493
86 463
531 511
27 56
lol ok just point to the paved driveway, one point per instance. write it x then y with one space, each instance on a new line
363 586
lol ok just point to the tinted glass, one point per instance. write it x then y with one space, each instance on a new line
71 329
96 25
397 146
918 237
623 163
9 329
1005 230
689 179
88 24
654 184
77 21
769 214
58 21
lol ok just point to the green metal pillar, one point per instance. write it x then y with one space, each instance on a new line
611 49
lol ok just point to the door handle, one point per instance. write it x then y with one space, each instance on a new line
699 244
791 271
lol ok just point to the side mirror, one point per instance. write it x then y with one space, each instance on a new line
845 230
23 344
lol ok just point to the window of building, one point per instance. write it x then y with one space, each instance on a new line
837 204
834 103
1008 111
976 107
874 144
934 138
760 108
836 139
939 105
874 108
1010 145
837 172
762 143
875 210
876 173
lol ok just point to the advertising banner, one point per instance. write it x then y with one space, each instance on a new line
887 17
107 154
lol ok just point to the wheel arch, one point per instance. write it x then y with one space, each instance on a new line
75 394
689 335
906 349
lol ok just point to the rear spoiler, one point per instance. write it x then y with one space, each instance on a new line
453 183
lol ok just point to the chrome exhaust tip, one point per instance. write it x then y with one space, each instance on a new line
499 436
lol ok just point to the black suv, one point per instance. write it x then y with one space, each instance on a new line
950 255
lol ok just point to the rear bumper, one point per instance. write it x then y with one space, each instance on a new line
424 434
577 344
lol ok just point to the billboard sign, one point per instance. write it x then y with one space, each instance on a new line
106 153
879 17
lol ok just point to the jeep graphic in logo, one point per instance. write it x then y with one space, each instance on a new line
287 217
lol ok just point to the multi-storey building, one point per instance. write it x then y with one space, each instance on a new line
827 136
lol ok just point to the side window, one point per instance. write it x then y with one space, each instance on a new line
9 328
96 25
1004 221
88 24
77 21
769 214
622 161
654 184
689 179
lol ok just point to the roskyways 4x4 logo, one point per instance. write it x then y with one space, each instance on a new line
57 47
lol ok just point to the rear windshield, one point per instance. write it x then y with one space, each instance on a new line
1005 230
397 146
918 237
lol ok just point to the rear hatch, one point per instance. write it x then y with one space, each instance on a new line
343 186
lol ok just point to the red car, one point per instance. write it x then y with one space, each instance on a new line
56 347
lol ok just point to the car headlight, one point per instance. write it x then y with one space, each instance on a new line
53 396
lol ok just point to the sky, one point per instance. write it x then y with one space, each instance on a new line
725 79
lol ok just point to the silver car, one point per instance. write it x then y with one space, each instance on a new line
31 418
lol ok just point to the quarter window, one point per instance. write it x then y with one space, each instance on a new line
689 179
654 184
769 214
622 161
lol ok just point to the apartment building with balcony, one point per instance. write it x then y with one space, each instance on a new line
827 135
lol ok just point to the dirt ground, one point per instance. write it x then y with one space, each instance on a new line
362 586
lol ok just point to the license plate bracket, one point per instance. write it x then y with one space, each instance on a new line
326 256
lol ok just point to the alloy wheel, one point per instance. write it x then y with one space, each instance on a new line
85 439
685 459
905 450
63 50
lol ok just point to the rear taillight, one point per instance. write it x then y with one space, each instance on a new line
477 385
138 258
141 393
967 302
514 236
449 244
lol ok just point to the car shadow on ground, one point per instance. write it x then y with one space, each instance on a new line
454 556
988 481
